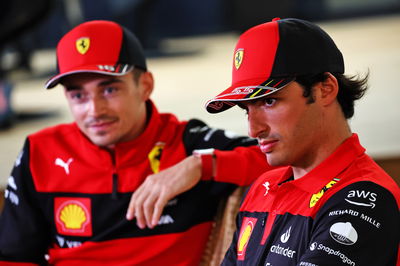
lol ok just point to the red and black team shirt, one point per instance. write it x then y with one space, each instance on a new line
343 212
66 198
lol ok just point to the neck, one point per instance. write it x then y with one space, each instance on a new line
325 145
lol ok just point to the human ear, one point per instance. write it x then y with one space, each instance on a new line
146 81
329 89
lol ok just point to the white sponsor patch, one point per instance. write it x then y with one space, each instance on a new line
344 233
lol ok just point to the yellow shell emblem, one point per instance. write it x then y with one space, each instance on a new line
82 45
73 216
238 57
244 239
315 197
155 156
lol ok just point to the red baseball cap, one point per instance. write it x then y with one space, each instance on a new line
97 46
269 56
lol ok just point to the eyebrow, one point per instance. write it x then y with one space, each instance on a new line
102 84
242 104
110 81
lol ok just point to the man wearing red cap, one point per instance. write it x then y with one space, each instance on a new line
70 188
329 203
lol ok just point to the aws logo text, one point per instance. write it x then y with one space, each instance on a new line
361 198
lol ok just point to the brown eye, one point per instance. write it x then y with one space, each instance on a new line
110 90
269 101
77 96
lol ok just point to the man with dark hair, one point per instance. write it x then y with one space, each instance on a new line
329 203
67 196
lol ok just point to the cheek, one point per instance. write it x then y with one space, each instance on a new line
289 122
78 112
304 124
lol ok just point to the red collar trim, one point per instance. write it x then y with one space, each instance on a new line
332 166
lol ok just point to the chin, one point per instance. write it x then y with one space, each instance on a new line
274 161
102 142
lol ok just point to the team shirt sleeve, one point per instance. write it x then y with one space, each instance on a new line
238 159
358 225
23 234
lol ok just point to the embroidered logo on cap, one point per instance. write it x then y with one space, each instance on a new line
82 45
239 57
73 216
246 230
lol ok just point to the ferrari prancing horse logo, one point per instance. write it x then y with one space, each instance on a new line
238 57
82 45
155 156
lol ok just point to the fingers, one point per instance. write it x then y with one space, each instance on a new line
149 200
148 209
144 202
130 213
139 212
158 208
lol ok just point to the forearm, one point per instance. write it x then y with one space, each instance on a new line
240 166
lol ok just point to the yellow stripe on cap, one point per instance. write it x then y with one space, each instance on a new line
255 94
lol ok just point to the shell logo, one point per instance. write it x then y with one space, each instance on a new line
72 216
246 230
244 239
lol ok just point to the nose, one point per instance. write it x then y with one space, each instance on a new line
96 106
257 121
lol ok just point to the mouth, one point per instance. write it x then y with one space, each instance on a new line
267 146
100 125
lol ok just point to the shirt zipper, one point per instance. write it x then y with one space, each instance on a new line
114 194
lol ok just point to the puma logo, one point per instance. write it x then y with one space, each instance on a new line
63 164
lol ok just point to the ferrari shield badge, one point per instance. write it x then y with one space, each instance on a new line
155 156
238 57
82 45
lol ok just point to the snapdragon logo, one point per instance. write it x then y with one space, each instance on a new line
315 246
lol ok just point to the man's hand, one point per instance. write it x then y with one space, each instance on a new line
149 200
